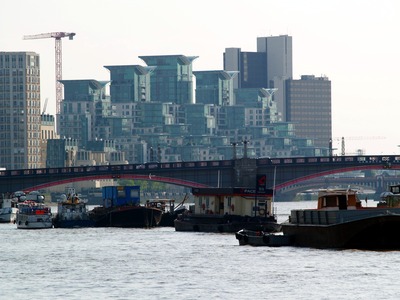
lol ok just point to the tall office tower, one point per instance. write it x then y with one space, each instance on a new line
278 50
130 83
251 68
84 110
172 80
215 87
309 107
19 110
269 67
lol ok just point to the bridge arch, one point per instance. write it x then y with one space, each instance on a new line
149 177
295 181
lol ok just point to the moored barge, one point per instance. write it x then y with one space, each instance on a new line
340 221
121 208
229 210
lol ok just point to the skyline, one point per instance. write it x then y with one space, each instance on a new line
353 44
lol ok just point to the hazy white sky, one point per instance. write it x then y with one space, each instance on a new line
355 43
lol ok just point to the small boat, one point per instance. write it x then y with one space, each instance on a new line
8 210
72 212
121 208
340 221
260 238
228 210
33 213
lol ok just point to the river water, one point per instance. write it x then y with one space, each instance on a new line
159 263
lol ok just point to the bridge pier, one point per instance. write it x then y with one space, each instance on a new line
244 173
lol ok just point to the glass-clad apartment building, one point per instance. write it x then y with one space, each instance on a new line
130 83
84 110
172 79
215 87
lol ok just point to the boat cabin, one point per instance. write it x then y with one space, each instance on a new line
7 203
121 195
35 196
338 199
166 205
391 198
233 201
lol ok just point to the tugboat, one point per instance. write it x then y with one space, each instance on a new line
72 212
229 210
121 208
33 213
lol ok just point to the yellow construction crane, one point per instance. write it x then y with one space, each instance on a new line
57 36
343 148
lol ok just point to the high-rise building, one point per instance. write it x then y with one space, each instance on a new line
309 106
84 110
130 83
172 79
269 67
260 106
305 102
19 110
278 50
215 87
273 60
279 57
251 68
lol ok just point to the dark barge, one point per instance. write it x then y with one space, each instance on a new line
121 208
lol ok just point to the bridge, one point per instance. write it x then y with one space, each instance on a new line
282 173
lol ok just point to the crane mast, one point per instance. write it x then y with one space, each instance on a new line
58 58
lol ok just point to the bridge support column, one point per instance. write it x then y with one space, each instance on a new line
245 173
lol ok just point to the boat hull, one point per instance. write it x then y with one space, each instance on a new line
380 232
168 218
8 215
73 223
128 216
73 218
220 223
34 221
